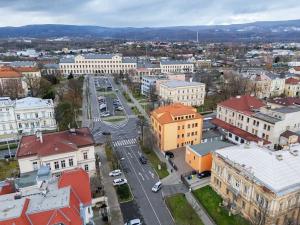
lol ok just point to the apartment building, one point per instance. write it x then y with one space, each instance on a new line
25 116
246 119
260 184
176 66
292 87
96 64
176 125
59 151
187 93
43 199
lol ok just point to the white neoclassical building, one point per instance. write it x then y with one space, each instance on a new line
176 66
97 64
25 116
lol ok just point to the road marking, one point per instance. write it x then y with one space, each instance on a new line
147 177
143 189
141 176
125 142
152 174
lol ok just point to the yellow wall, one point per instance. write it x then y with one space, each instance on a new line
198 163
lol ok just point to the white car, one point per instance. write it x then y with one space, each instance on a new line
119 181
134 222
157 186
105 114
115 173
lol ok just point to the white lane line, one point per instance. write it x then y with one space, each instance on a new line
146 176
152 174
141 176
143 189
131 150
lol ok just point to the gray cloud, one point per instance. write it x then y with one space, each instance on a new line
144 12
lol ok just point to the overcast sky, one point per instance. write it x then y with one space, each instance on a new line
140 13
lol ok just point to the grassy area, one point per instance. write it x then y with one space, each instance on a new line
111 157
110 94
124 193
113 120
126 96
8 169
135 110
154 160
210 103
5 147
210 201
182 211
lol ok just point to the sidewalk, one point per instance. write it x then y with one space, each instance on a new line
85 105
199 209
115 213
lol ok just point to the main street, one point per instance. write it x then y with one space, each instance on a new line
148 206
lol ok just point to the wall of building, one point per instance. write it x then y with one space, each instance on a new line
197 162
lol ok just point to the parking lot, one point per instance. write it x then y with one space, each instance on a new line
110 106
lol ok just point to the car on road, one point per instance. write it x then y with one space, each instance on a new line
119 181
119 108
134 222
105 114
8 156
106 133
143 159
157 186
115 173
102 106
204 174
169 154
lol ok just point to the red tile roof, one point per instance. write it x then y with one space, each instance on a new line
80 185
286 101
7 187
165 114
297 68
55 143
8 72
27 69
292 80
237 131
244 103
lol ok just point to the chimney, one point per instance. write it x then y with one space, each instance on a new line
39 136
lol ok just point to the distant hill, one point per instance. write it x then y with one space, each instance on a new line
257 31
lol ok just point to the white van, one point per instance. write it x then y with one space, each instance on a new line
157 186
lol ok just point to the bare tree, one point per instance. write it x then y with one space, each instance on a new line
33 84
13 88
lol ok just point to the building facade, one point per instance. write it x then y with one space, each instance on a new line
96 64
292 87
25 116
59 151
244 177
176 66
176 126
187 93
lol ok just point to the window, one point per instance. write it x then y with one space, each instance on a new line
178 128
86 167
63 163
56 165
48 165
230 135
85 155
35 165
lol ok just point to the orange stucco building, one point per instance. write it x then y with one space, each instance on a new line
176 125
199 156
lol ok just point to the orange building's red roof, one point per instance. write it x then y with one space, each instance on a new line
27 69
292 80
8 72
166 114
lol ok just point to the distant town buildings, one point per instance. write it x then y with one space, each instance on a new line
176 125
176 66
292 87
59 151
187 93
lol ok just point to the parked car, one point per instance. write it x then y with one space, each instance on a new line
134 222
169 154
105 114
115 173
106 133
157 186
143 159
102 106
119 181
119 108
204 174
7 156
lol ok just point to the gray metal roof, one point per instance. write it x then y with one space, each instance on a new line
98 56
266 118
67 60
23 64
207 147
290 109
129 60
179 83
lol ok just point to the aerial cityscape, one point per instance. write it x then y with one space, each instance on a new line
149 112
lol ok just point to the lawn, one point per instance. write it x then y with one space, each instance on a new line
126 96
124 193
182 211
110 94
114 120
8 169
210 201
111 157
135 110
154 160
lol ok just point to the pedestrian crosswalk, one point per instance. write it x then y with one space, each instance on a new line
97 119
124 142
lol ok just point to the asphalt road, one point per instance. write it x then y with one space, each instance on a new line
141 178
